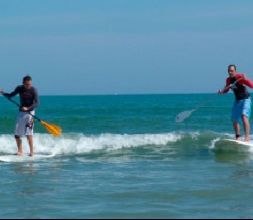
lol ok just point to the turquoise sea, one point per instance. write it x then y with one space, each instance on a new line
124 156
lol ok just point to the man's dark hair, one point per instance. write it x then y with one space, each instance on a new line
232 65
27 78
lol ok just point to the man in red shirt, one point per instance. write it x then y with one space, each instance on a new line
242 105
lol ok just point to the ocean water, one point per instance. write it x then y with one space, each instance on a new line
124 156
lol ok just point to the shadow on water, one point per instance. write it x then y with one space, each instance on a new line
233 157
24 168
33 181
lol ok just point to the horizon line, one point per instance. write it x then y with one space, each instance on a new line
132 94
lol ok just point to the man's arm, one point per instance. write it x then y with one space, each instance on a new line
9 95
36 101
226 88
247 82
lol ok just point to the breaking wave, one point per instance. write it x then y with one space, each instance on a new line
81 144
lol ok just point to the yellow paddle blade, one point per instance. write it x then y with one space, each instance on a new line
52 129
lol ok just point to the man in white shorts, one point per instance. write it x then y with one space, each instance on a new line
29 100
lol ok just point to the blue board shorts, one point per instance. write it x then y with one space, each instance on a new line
240 108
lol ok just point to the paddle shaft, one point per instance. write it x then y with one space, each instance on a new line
14 102
230 86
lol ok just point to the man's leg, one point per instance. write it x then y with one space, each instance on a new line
237 130
30 141
19 145
246 125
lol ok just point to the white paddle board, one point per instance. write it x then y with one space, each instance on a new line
25 158
233 145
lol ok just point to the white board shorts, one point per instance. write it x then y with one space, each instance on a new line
24 124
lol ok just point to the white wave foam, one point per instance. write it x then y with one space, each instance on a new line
213 142
72 144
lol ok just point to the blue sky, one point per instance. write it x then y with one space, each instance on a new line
124 46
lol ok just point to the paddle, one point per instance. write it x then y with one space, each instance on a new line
182 116
51 128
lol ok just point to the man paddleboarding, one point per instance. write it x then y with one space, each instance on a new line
29 101
242 105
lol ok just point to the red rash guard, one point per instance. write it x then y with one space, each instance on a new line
239 88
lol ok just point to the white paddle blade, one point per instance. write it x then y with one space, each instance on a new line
184 115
